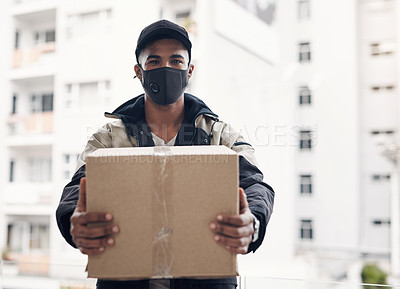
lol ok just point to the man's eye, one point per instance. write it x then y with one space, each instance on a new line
176 61
153 62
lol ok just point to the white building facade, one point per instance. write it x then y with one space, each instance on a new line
65 63
309 83
346 85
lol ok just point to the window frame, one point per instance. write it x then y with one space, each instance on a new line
305 143
303 10
306 229
304 93
304 52
306 188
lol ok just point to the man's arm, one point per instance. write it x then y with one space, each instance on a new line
71 193
256 199
67 205
259 195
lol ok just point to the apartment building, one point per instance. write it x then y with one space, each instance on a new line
346 90
65 63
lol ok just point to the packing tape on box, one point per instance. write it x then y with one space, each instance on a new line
162 209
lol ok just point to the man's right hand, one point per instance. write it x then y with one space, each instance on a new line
90 240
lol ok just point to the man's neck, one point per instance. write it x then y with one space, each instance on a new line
164 120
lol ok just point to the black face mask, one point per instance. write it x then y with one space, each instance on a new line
164 85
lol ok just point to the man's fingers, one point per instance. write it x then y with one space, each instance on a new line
93 217
242 200
238 246
237 250
236 220
81 205
91 252
95 232
234 232
94 243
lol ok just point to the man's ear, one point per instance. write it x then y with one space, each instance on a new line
191 68
138 72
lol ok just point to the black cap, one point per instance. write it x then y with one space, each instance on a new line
159 30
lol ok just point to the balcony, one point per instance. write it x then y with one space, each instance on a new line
31 129
34 39
34 8
27 193
35 123
36 264
38 55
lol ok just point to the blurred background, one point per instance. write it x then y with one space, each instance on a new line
312 84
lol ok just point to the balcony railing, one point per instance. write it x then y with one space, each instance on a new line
35 123
30 264
35 55
39 193
44 275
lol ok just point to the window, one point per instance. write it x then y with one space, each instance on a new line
304 9
382 48
381 222
383 177
306 230
23 236
182 16
90 24
104 88
70 95
17 39
382 132
12 128
50 36
45 36
14 104
39 169
87 94
305 184
304 52
39 237
382 88
34 104
41 102
305 139
47 102
69 165
304 95
12 171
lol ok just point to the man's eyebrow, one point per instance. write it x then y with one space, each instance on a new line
176 56
153 56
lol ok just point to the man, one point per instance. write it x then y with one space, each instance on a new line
165 115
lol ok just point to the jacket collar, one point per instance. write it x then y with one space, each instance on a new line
132 111
132 115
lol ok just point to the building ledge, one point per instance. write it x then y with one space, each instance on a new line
34 8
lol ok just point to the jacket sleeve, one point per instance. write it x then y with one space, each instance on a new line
260 195
67 205
70 195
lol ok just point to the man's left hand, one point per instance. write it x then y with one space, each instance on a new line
235 232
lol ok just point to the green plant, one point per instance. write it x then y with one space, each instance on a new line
372 274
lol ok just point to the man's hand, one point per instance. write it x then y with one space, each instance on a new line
90 240
235 232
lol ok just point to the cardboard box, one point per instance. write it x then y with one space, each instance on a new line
163 199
